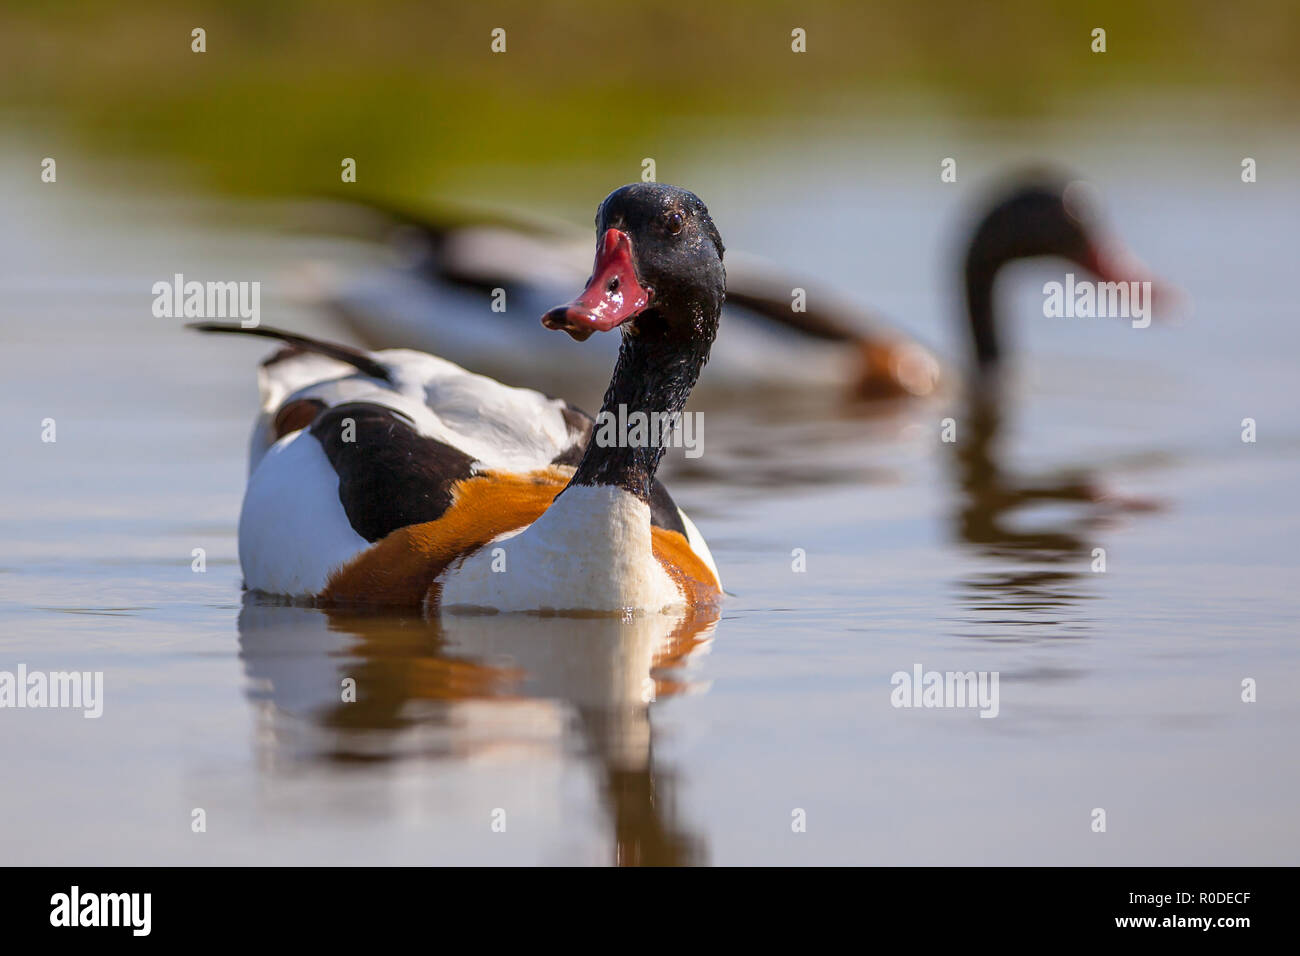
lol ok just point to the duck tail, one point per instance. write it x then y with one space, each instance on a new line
363 362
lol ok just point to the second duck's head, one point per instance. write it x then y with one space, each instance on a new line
1041 213
658 272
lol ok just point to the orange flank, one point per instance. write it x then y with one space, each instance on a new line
894 368
401 570
692 576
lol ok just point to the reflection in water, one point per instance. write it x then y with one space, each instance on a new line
461 685
991 501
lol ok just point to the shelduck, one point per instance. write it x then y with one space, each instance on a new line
399 478
454 263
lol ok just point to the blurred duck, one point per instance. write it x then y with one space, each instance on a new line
452 265
397 478
440 298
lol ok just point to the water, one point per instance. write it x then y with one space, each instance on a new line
690 741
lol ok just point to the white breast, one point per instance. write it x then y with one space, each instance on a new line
590 551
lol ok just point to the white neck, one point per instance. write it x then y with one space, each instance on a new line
590 551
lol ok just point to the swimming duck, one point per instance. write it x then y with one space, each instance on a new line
453 264
399 478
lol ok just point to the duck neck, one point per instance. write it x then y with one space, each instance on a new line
652 380
985 340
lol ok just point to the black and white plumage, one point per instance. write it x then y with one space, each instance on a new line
384 477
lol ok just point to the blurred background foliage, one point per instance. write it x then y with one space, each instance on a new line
412 91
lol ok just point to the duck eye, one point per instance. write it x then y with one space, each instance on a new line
675 221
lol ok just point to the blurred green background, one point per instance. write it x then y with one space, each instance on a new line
412 91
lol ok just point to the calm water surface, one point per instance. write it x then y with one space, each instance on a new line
688 740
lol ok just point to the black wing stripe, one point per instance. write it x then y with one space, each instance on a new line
390 475
663 510
580 426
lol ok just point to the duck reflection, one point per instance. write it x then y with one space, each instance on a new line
462 686
1051 555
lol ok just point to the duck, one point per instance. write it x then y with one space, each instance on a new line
453 262
398 478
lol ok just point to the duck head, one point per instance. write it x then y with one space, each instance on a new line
658 277
658 271
1042 215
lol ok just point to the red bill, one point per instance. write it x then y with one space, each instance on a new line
612 296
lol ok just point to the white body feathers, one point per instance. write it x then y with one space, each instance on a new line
590 551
